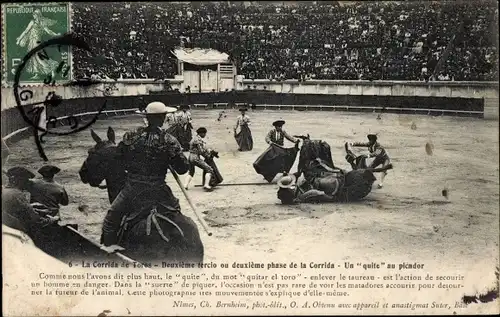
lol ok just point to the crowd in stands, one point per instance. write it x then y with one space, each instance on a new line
400 40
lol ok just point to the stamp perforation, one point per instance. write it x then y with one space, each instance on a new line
4 50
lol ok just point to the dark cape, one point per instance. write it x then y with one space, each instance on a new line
182 135
244 139
275 160
216 178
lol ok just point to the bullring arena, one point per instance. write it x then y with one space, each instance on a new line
409 216
438 208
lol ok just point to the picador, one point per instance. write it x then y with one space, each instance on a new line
147 154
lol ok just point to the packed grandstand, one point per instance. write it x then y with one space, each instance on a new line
399 40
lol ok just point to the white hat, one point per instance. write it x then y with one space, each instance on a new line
157 107
287 181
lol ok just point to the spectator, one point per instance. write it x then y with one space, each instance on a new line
363 40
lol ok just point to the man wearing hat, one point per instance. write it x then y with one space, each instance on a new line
170 120
244 136
277 135
377 151
292 190
17 213
184 116
197 149
48 192
180 126
147 153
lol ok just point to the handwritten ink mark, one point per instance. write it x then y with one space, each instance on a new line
25 95
38 140
48 80
52 99
43 55
68 39
60 66
66 71
51 121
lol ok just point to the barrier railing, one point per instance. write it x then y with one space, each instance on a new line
60 121
474 107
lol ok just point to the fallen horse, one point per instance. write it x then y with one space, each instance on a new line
319 180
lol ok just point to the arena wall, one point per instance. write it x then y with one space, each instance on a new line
479 99
481 90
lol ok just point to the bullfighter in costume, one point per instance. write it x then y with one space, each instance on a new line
197 150
48 192
147 154
170 120
244 136
378 152
17 213
277 135
276 159
184 123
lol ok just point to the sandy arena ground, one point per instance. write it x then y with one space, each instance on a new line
408 219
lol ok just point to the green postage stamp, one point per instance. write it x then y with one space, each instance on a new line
25 26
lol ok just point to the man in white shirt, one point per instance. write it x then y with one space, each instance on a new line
277 135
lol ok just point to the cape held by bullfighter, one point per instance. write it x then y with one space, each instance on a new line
242 132
276 159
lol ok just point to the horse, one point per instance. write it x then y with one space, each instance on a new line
312 149
153 233
355 184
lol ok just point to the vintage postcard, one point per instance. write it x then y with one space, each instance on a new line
250 158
